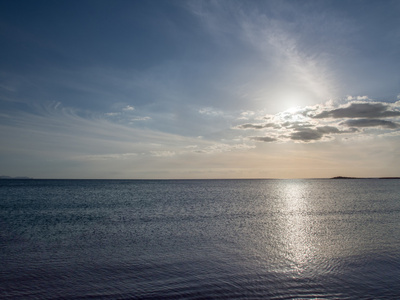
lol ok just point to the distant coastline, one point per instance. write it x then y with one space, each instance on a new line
16 177
345 177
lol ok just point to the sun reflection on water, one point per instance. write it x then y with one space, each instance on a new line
297 238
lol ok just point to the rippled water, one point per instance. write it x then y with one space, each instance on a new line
200 239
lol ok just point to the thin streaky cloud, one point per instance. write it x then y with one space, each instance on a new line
266 139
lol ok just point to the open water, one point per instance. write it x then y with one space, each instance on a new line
200 239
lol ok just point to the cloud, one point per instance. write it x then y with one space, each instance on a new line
266 139
59 131
210 112
163 153
328 129
350 98
246 115
371 123
360 110
257 126
309 134
219 148
116 156
281 63
306 135
325 121
141 119
296 125
128 108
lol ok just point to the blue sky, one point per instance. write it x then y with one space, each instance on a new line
199 89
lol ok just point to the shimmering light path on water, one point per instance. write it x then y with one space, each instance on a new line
200 239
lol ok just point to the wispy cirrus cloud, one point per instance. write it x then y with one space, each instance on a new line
223 147
284 67
77 135
106 157
162 153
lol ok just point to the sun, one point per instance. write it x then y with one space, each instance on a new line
292 101
293 109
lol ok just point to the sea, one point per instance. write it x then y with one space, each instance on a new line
200 239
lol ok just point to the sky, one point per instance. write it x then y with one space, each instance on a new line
199 89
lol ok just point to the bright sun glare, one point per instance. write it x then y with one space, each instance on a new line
293 109
292 100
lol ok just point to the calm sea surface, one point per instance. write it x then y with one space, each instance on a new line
200 239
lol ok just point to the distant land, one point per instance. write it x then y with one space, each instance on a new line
17 177
344 177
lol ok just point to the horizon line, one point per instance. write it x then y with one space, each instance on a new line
166 179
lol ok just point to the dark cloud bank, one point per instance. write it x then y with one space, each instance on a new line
355 116
309 134
371 123
359 110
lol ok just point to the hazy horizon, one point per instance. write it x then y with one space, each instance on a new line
200 89
5 177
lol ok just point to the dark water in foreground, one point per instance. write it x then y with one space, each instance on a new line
200 239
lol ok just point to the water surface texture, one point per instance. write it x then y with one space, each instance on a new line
200 239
